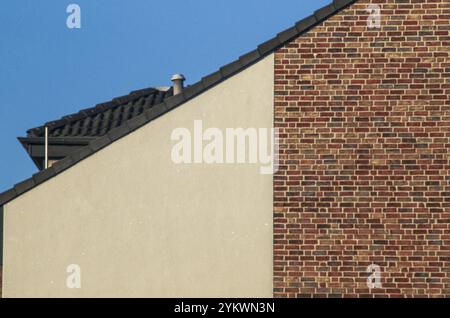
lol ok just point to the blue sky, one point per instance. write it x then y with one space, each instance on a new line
48 71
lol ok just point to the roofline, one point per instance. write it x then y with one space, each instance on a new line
206 83
26 142
56 140
115 102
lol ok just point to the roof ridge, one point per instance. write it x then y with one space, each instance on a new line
173 102
98 108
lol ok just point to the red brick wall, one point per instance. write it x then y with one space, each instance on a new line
364 119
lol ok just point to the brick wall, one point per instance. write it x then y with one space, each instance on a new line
364 119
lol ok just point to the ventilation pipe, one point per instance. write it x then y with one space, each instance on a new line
178 83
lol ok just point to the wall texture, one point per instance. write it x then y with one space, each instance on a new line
140 226
364 116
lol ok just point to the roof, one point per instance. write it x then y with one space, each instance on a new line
99 120
75 131
172 102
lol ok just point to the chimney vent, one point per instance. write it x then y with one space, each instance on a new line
178 83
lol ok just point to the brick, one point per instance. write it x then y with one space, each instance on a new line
365 163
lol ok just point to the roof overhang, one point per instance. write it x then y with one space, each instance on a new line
58 148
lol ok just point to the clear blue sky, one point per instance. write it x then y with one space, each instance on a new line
48 71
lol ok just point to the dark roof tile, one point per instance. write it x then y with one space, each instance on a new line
137 122
250 58
43 175
305 24
24 186
340 4
156 111
96 121
62 165
118 132
174 101
269 46
193 90
99 143
212 79
230 69
7 196
287 35
79 155
325 12
124 99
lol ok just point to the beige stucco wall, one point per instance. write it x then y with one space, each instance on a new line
140 226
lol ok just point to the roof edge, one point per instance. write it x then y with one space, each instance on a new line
56 140
91 111
190 92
